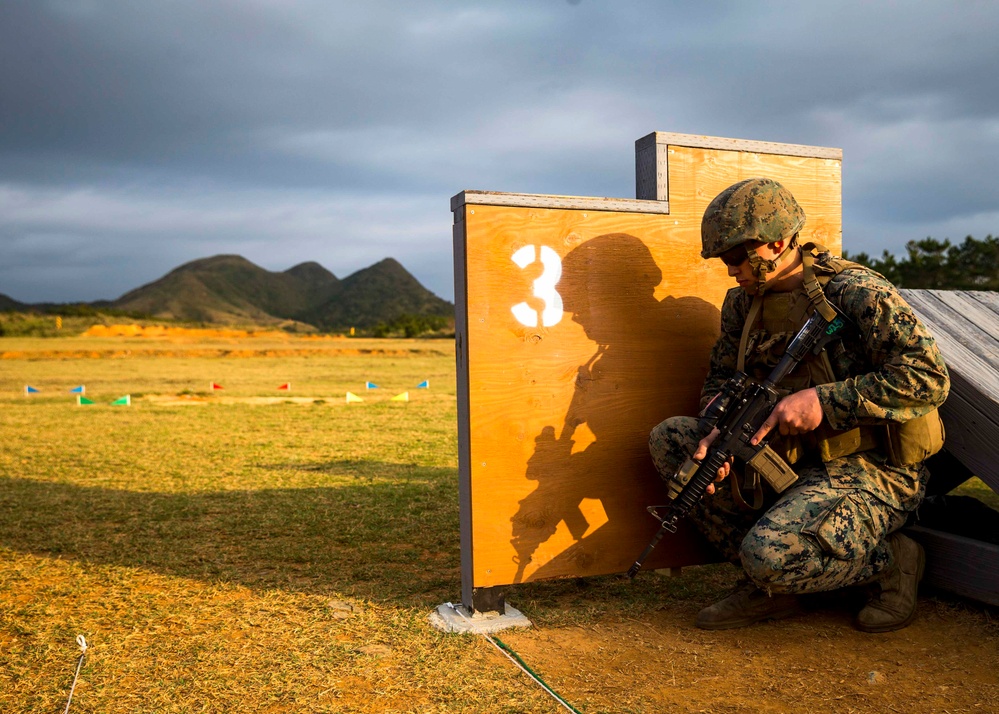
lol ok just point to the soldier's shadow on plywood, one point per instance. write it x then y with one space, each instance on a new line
593 471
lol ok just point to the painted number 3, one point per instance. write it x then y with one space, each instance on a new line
544 287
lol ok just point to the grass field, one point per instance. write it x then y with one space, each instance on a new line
240 556
219 557
236 556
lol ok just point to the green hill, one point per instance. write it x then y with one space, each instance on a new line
229 289
380 293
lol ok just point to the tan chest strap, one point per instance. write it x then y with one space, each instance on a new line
811 285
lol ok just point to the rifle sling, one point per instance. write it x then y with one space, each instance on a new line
747 328
753 482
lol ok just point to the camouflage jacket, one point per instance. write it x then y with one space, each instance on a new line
887 368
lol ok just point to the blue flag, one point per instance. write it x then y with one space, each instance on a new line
78 390
425 384
371 385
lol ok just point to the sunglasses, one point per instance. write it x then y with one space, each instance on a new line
734 257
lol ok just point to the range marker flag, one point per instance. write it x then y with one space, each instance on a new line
404 397
214 385
125 401
81 400
425 384
351 397
286 386
370 385
28 389
79 390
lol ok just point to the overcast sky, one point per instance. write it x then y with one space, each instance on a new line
137 136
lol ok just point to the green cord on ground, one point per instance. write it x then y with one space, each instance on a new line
506 648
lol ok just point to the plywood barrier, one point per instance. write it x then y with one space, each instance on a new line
582 323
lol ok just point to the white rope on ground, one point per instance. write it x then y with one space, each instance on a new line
515 658
82 641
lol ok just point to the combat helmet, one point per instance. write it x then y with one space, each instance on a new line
756 209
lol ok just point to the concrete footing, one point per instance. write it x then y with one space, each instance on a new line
457 618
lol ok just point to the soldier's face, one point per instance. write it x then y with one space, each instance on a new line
737 262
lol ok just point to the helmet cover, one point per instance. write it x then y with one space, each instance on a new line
756 209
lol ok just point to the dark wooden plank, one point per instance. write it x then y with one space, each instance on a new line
960 565
966 325
972 434
464 439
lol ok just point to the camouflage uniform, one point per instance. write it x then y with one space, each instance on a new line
829 529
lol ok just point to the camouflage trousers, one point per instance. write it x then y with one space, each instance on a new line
814 537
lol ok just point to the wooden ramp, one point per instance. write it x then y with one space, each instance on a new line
966 327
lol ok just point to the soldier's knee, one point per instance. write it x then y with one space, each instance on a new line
670 440
674 431
779 565
762 572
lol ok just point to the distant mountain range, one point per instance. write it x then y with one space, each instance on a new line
229 289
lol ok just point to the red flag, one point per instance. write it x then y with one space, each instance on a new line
286 386
216 386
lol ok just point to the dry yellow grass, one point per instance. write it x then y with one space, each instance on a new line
239 556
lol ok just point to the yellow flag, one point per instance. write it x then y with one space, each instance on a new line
351 397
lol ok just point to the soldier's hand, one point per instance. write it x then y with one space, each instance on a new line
701 453
797 413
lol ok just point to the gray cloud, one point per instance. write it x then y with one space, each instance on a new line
138 136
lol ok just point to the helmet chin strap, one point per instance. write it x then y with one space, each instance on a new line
762 267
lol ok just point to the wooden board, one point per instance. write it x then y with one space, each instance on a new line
966 327
530 200
554 417
960 565
652 154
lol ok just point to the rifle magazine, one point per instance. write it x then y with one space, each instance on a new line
772 469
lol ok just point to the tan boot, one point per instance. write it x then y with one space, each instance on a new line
895 606
746 605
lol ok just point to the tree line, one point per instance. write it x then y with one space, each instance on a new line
415 326
940 265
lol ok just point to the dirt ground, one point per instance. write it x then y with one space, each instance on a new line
946 661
